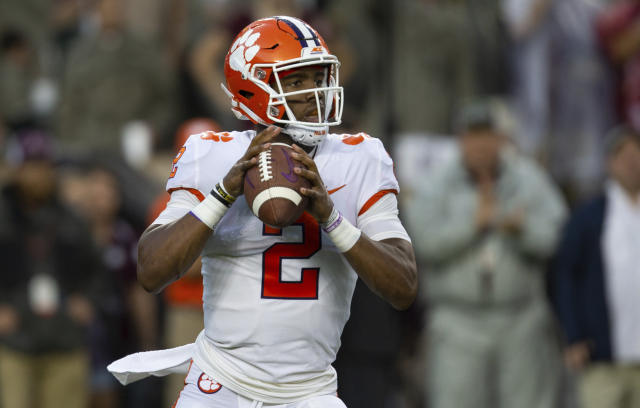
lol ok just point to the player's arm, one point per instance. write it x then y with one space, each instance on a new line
387 266
166 252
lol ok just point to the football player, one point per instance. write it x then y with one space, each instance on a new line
276 300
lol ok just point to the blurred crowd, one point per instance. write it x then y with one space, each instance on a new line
514 126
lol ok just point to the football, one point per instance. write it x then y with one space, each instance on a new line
272 189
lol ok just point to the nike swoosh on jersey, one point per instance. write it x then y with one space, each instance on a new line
335 189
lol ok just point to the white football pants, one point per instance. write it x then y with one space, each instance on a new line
202 391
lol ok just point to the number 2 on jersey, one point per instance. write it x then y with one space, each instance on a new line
272 284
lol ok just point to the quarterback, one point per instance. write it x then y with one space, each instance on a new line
275 300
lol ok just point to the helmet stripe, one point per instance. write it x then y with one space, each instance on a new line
312 33
304 33
296 30
308 32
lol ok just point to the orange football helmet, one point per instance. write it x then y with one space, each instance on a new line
253 68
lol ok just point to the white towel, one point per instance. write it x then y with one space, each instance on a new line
159 363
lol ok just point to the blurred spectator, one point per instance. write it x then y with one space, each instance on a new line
619 30
66 20
562 88
18 70
115 86
132 322
597 281
433 69
529 23
200 78
488 42
582 99
444 52
485 225
48 286
30 17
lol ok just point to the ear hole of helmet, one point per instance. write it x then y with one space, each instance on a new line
245 94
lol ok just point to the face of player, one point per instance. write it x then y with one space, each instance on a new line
304 105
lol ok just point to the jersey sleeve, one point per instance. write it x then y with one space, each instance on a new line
187 170
381 220
378 178
180 203
204 160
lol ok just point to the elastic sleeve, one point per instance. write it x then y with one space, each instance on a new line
381 220
180 203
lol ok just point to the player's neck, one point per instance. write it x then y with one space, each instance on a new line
284 138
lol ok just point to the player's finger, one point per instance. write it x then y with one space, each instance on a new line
302 156
247 164
261 142
266 135
253 151
310 192
309 175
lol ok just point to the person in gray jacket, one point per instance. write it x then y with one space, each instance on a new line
484 226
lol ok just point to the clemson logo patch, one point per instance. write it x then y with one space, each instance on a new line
207 384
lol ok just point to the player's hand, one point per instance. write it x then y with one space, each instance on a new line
320 204
234 180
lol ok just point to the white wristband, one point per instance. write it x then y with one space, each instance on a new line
209 211
344 235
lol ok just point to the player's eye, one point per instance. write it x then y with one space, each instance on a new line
292 84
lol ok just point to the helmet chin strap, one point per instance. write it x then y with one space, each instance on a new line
306 135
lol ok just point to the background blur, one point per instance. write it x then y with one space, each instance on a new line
113 87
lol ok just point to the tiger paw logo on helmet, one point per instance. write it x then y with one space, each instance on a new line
243 50
207 384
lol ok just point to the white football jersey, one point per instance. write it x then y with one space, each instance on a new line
276 301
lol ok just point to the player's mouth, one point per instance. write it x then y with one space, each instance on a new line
311 116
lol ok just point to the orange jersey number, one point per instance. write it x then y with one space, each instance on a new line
175 161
